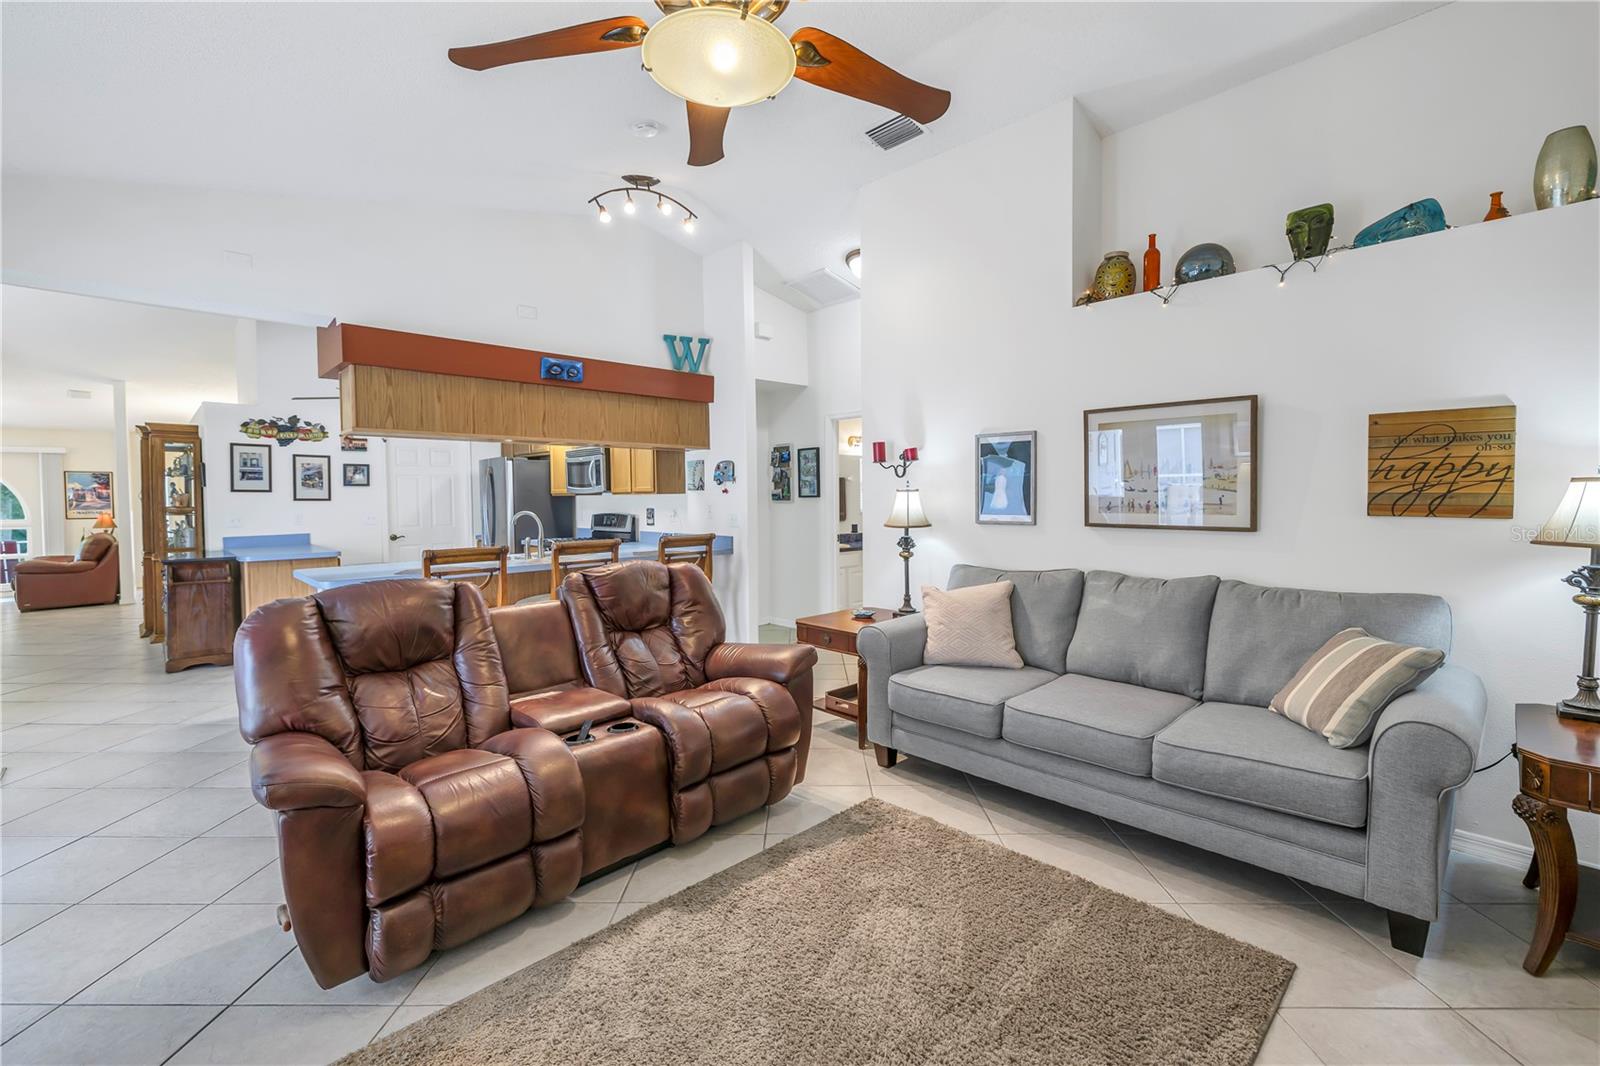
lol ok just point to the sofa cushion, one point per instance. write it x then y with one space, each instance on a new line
1107 723
970 626
1251 755
1044 609
1144 631
1260 636
968 698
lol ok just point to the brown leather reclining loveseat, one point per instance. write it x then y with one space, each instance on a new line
429 763
89 577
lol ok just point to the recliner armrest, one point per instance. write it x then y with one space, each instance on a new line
296 771
555 784
781 663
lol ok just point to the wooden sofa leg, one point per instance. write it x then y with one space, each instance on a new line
886 756
1408 934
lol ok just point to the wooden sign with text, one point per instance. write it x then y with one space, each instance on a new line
1458 463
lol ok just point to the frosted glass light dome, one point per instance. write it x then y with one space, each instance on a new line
709 55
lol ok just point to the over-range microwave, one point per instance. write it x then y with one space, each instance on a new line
586 470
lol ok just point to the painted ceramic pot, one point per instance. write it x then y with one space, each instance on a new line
1412 220
1497 210
1309 230
1203 261
1113 277
1565 171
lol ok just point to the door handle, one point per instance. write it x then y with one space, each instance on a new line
397 536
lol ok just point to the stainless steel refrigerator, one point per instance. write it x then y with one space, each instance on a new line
507 486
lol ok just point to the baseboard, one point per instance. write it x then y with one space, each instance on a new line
1491 849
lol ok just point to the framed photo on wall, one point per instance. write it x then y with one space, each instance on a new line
1008 469
809 473
1193 464
312 477
88 493
250 467
357 475
782 480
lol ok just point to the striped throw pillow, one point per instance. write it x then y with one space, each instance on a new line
1341 689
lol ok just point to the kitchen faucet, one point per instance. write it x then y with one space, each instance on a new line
538 543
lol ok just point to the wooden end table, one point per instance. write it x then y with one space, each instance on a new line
1559 763
836 631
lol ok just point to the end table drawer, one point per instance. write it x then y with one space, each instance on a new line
1567 785
823 638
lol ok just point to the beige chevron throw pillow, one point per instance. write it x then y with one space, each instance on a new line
1348 681
970 626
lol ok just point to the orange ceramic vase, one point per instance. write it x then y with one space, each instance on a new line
1496 208
1152 265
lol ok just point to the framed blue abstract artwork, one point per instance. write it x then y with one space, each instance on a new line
1007 473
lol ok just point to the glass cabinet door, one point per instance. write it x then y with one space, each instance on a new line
178 478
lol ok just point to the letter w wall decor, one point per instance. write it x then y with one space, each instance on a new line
689 361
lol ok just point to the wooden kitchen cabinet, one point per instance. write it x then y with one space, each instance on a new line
640 470
558 470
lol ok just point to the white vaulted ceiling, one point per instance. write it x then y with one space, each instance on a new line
358 100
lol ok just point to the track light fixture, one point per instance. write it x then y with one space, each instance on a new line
646 185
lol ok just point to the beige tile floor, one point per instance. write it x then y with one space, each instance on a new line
139 882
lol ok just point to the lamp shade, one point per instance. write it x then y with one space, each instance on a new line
907 511
105 521
1576 522
717 57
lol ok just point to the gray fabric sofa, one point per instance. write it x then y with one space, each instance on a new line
1144 700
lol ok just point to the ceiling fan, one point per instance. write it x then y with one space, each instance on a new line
720 54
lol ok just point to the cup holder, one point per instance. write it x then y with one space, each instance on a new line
576 739
622 727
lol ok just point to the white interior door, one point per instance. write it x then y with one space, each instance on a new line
428 494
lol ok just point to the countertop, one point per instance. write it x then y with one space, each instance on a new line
275 547
328 577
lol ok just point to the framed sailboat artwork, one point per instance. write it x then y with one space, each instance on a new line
1008 470
1188 465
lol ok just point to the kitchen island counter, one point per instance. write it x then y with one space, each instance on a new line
528 576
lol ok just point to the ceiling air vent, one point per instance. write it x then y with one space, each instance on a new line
895 132
825 287
80 394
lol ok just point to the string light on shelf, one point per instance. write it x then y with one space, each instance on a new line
645 185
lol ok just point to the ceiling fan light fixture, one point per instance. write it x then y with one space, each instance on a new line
716 57
605 216
688 224
628 206
664 207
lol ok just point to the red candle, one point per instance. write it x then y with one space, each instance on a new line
880 451
910 455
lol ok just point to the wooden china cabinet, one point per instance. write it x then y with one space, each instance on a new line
171 502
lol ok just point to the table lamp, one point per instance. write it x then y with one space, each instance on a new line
1576 524
104 523
907 515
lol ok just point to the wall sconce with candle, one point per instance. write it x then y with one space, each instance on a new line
907 513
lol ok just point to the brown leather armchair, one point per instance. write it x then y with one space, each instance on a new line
89 577
412 814
736 717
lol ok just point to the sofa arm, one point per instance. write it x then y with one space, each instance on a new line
888 648
297 771
772 662
1424 748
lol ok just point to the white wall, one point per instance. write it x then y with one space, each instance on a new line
82 449
1453 104
966 326
799 538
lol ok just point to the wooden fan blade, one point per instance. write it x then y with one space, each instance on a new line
828 62
705 133
626 31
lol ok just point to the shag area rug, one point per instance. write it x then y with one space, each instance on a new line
878 936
